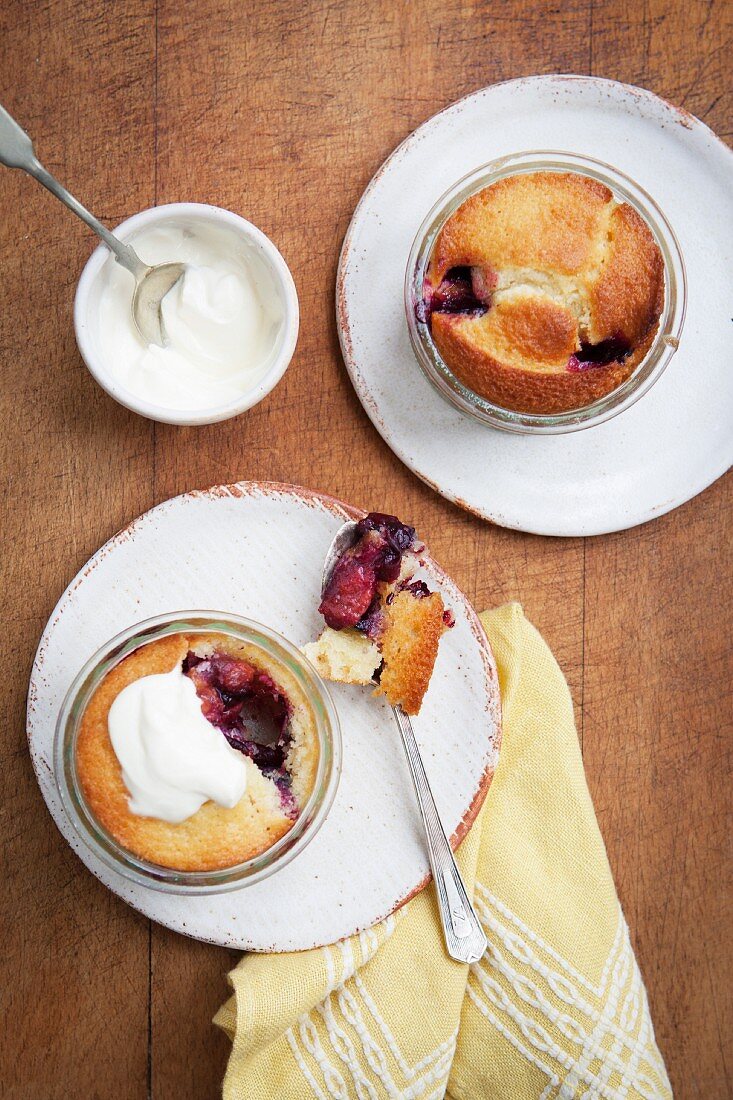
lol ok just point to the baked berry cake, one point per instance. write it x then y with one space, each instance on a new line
382 624
543 292
167 759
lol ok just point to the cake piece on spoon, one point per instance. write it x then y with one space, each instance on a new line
382 624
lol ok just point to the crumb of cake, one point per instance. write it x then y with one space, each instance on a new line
346 656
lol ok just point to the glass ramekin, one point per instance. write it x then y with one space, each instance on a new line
648 370
103 845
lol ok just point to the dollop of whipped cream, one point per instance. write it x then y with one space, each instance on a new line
172 759
221 320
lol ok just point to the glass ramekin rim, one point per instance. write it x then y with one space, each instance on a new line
286 848
644 375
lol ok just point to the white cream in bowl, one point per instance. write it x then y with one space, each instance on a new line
231 322
221 320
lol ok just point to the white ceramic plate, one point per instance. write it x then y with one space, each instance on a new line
257 550
668 447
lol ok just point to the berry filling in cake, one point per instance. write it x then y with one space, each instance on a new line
244 703
250 709
614 350
376 555
462 290
383 624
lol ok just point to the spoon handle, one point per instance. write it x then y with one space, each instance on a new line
16 151
464 936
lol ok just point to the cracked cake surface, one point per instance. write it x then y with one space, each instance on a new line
543 292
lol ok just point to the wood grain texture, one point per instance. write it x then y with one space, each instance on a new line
282 112
74 467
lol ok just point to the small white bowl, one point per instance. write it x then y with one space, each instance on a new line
187 214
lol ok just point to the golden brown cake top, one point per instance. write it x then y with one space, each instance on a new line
543 272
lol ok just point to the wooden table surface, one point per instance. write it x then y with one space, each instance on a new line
282 111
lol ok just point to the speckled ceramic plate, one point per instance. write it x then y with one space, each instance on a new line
669 446
257 550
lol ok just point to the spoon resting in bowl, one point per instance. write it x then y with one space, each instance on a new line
151 283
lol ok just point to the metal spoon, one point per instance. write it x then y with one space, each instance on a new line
464 936
151 283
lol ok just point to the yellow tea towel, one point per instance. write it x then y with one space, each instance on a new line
555 1008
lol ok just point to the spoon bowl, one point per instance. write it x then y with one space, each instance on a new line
342 540
147 297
